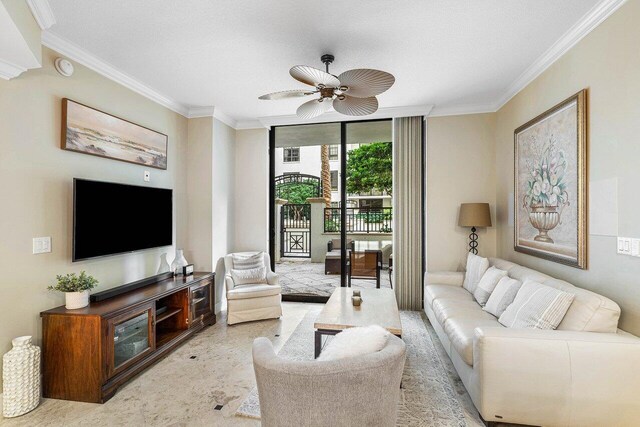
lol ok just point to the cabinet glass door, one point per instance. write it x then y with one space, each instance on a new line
200 302
131 338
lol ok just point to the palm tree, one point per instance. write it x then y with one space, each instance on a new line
325 175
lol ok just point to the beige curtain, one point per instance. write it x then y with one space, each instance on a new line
407 196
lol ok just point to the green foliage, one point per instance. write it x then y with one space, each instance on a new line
73 283
369 167
331 226
297 192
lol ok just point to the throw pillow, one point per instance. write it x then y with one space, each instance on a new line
537 306
476 266
248 261
487 284
354 342
502 296
251 276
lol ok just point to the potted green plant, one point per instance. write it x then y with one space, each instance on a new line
75 288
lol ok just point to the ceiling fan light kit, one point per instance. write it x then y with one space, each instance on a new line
352 93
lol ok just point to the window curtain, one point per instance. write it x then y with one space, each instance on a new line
407 194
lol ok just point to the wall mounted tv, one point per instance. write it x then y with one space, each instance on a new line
110 218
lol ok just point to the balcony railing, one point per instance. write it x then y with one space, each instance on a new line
359 220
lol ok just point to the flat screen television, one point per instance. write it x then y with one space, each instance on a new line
110 218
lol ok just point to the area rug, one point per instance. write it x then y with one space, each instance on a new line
427 396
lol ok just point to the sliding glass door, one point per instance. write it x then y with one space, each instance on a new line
312 196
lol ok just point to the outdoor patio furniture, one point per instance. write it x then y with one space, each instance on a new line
252 301
365 265
332 263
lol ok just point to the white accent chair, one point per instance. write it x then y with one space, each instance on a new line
249 302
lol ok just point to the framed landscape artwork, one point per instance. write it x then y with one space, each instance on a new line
551 184
90 131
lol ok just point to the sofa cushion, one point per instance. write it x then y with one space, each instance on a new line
487 284
335 254
589 311
537 306
502 296
476 266
445 309
255 290
460 331
433 292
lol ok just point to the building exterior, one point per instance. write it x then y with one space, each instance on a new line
306 160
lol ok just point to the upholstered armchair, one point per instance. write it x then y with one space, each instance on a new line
355 391
252 301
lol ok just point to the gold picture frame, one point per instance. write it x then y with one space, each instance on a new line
550 184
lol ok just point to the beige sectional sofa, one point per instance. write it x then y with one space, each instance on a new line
584 373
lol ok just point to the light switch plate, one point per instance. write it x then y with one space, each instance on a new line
635 247
41 245
620 245
147 176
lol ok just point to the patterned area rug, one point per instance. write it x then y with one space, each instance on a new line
428 395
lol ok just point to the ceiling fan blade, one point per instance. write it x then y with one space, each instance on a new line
356 106
313 76
297 93
313 108
364 82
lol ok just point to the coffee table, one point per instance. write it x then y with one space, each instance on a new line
379 307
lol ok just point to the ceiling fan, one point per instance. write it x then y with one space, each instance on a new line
352 93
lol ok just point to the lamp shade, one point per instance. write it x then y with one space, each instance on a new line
474 215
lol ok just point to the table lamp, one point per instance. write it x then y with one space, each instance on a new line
474 215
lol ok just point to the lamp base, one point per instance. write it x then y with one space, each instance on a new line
473 241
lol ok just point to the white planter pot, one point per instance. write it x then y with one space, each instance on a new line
21 376
75 300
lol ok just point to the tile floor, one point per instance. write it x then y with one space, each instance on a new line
178 390
301 276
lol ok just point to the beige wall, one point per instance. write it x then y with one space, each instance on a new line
36 188
460 169
607 63
199 182
252 190
223 200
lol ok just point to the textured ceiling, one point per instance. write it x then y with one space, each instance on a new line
226 53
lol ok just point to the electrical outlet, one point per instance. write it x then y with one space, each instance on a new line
147 176
41 245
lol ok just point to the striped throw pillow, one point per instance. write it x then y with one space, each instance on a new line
487 284
476 266
249 269
502 296
537 306
248 262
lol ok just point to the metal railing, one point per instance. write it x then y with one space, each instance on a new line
360 220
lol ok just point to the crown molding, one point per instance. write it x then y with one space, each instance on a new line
10 70
250 124
42 12
196 112
81 56
225 118
584 26
460 110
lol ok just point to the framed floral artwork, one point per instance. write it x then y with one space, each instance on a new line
551 184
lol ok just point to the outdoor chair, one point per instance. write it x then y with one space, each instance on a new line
365 265
332 263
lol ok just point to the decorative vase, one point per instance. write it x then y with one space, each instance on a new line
544 219
21 378
164 264
75 300
179 262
